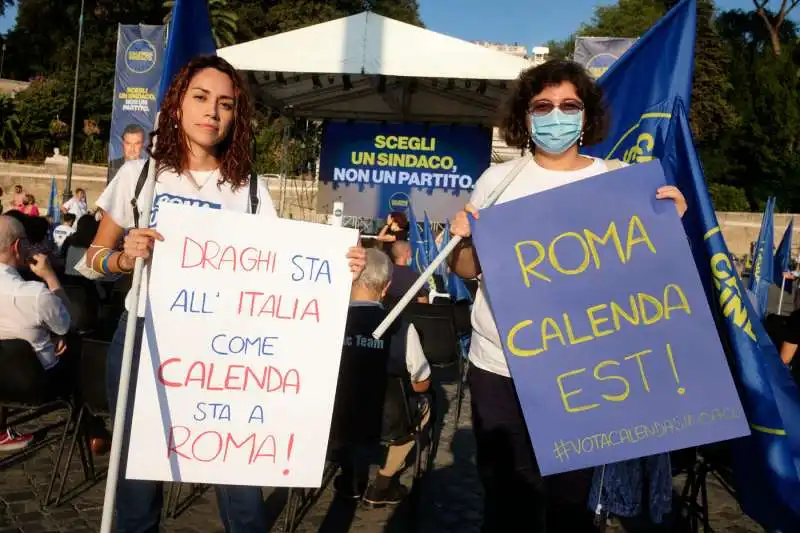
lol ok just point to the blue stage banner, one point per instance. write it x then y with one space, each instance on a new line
140 60
377 169
605 324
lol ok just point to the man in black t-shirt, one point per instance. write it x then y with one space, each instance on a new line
403 276
368 401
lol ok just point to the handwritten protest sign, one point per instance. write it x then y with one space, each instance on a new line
604 322
240 358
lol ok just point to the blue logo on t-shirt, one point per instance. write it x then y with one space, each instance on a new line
165 198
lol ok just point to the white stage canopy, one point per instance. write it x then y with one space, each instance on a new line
369 67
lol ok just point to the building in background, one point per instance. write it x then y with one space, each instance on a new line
515 49
540 55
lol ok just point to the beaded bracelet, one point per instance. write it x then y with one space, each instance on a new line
119 265
103 255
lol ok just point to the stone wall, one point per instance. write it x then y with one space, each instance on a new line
35 179
739 229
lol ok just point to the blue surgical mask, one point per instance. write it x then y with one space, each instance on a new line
556 131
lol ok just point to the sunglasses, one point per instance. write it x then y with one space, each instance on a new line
545 107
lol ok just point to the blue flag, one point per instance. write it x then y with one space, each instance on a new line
419 256
763 256
766 464
430 242
648 90
782 257
53 207
457 288
443 270
189 36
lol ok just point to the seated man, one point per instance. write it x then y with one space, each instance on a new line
399 353
32 311
403 276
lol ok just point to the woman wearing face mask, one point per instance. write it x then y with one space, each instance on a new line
202 158
555 108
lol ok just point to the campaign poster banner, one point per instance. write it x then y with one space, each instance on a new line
377 169
604 322
140 60
240 358
597 54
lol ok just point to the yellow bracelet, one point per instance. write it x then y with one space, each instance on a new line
102 255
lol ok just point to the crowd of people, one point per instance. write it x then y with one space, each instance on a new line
204 154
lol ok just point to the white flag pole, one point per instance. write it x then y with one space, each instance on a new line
780 300
446 251
121 412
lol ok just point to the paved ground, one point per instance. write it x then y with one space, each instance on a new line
451 499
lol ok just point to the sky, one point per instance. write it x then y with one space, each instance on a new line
522 21
506 21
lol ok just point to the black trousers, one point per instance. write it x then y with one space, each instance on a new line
517 498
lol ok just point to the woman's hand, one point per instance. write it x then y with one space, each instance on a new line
460 224
138 243
358 260
669 192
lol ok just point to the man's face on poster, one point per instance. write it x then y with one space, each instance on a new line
132 145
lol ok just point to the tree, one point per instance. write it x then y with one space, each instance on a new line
287 15
772 22
712 114
762 154
224 22
10 142
626 18
728 198
45 101
4 4
561 49
402 10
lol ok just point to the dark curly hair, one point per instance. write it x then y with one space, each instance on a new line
533 81
235 155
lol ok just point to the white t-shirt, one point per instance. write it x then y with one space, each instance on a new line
486 350
76 207
60 233
172 188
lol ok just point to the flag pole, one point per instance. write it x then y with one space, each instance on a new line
121 411
446 251
780 300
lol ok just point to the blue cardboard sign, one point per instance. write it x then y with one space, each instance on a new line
604 322
377 169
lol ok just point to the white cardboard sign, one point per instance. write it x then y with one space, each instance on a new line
240 355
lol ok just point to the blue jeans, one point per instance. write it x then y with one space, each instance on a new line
139 503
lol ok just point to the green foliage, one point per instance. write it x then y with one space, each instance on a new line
728 198
45 101
224 21
561 49
627 18
10 142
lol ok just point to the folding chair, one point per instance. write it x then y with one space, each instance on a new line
24 385
437 332
357 418
92 387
